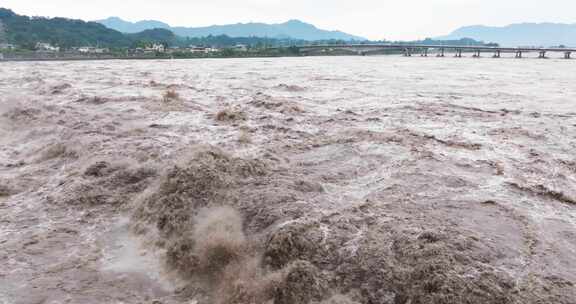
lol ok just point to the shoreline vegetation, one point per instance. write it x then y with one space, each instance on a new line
64 57
26 55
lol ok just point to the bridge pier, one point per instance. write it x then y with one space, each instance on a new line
542 55
567 55
441 54
407 52
424 52
476 54
458 53
518 54
497 54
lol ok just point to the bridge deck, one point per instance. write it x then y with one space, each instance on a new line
451 47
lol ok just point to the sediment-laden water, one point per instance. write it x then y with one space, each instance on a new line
288 180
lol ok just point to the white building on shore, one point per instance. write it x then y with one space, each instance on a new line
202 50
47 47
241 47
156 47
7 46
92 50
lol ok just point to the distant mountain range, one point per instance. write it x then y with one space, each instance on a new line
25 32
120 25
293 29
521 34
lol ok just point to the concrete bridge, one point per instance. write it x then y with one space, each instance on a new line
439 50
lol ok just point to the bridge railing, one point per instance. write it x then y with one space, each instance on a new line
409 49
451 47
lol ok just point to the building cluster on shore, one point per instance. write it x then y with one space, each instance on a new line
7 47
152 48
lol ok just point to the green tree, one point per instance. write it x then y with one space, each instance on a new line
2 32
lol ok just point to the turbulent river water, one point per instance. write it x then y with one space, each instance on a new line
288 180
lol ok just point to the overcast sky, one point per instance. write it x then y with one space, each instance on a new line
374 19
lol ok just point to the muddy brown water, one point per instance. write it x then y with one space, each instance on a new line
405 180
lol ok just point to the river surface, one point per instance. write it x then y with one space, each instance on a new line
386 163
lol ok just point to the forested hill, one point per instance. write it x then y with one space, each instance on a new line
157 35
26 31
